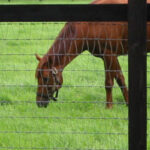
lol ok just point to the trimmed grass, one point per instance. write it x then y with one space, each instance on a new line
78 125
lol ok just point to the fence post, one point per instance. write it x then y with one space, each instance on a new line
137 75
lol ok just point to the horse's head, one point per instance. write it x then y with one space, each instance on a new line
49 81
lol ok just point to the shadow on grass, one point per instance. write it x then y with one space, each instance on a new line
119 99
5 101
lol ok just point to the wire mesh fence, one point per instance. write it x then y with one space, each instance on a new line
78 120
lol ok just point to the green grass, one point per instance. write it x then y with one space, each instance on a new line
45 1
39 128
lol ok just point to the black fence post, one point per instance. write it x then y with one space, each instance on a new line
137 75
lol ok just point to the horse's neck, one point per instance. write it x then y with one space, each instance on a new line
64 54
66 47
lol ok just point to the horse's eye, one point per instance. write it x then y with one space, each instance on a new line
45 80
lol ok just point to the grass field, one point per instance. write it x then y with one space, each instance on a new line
45 1
79 119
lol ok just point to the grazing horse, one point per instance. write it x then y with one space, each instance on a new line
106 40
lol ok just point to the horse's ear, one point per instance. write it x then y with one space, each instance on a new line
37 57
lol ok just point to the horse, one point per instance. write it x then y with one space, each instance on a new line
105 40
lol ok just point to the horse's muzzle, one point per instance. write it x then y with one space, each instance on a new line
42 100
42 103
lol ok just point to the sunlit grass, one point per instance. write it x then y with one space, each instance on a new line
45 1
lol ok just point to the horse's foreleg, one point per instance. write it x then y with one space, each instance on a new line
121 81
109 78
109 82
113 70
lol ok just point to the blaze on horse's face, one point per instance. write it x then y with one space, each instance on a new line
49 82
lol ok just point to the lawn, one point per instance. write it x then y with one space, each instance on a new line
45 1
79 120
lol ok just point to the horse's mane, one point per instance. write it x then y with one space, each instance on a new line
59 47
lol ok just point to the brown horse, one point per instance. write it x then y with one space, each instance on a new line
105 40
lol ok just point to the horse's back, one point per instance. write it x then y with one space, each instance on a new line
110 2
109 33
104 35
